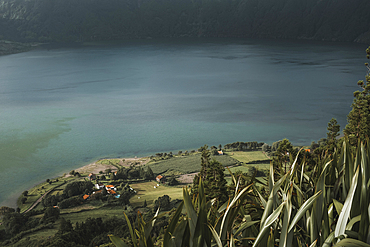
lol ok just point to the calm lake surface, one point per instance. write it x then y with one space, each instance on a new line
64 107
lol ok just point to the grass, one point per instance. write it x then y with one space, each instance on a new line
249 157
81 214
36 192
186 164
114 162
146 191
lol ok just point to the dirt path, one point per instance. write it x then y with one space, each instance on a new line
40 199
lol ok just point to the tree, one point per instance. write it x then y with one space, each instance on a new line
4 210
358 119
163 202
149 175
332 134
23 200
172 180
213 177
25 193
282 154
65 226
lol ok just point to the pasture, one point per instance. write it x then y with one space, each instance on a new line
146 191
185 164
249 157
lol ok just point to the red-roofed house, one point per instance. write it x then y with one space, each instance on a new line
160 179
92 176
112 192
110 187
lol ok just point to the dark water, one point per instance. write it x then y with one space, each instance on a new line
61 108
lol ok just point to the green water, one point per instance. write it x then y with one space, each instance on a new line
63 107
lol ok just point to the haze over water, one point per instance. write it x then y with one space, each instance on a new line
61 108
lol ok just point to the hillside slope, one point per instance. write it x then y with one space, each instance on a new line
89 20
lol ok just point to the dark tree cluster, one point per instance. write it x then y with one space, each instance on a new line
71 195
89 20
92 232
134 172
213 177
244 146
358 127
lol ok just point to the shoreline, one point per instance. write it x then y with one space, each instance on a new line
11 47
93 167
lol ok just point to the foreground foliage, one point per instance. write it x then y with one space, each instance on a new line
326 206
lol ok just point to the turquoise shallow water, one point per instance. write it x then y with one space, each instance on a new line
63 107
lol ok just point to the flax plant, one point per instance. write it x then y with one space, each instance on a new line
327 206
329 209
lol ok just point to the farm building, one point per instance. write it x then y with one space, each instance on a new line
92 176
160 179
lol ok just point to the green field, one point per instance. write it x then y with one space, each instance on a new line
146 191
103 212
40 189
248 157
186 164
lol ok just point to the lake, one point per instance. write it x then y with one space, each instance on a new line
62 107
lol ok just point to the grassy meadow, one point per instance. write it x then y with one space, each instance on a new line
183 164
248 157
186 164
146 191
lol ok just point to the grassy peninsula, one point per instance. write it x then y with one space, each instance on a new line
144 193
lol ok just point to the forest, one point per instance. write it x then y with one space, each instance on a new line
92 20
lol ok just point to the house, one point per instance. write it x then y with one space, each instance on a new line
92 176
99 186
220 152
110 187
85 197
112 192
308 150
160 179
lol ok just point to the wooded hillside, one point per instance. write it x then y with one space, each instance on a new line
91 20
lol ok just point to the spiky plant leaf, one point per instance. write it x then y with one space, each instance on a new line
171 227
286 220
271 240
117 241
215 236
344 215
338 206
352 222
364 196
179 236
302 210
270 202
244 226
133 236
329 240
263 201
192 214
351 243
314 243
232 203
269 221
